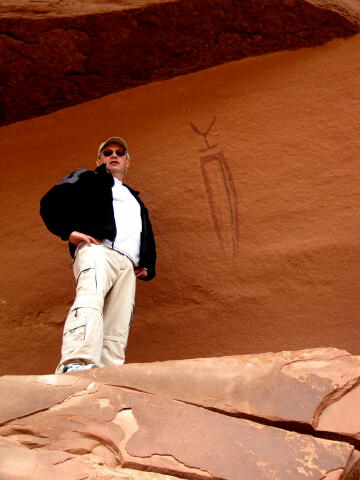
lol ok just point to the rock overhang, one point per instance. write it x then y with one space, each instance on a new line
59 55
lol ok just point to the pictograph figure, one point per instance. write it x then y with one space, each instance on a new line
221 193
204 135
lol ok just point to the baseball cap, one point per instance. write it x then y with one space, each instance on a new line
117 140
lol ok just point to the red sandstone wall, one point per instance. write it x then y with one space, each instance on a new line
258 237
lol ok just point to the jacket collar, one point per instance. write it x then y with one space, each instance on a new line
134 192
101 170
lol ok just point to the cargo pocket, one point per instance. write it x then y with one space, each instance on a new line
86 282
74 334
85 271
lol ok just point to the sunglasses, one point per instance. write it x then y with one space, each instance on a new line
119 153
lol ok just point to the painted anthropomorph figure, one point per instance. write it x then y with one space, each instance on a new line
111 239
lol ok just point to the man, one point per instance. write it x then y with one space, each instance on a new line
111 239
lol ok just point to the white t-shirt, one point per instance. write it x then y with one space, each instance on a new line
128 223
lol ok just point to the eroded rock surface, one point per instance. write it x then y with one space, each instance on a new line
56 54
78 428
318 387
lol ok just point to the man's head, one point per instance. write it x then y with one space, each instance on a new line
113 152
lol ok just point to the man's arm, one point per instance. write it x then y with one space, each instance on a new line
77 237
148 258
140 272
58 205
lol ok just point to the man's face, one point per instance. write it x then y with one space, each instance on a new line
115 158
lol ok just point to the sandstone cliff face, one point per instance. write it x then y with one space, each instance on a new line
104 423
56 54
256 220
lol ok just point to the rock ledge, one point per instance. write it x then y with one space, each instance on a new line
57 54
117 422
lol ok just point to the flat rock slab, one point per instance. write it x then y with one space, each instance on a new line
120 428
56 54
318 387
22 396
20 463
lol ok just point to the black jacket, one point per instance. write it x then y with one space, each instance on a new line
83 202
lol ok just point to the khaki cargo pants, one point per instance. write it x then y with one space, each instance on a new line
97 327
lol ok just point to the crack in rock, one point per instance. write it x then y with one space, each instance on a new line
333 397
174 469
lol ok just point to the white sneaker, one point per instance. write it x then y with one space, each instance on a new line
77 367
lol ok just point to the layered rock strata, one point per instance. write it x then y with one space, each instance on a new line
56 54
72 426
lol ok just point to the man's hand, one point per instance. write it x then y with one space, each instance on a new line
140 272
76 238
